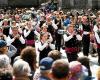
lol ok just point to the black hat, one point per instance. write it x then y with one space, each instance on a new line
2 43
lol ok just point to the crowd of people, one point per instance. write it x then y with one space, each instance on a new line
26 31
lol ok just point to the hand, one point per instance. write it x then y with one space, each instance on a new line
74 33
95 46
17 36
1 34
48 41
31 29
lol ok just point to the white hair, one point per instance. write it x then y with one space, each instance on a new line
4 61
21 67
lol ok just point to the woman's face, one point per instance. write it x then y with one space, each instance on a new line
15 31
14 23
44 29
29 24
45 37
5 23
84 19
42 18
57 14
48 19
4 50
70 29
78 68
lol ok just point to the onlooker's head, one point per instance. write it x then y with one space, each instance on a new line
3 47
75 66
45 68
21 69
46 63
98 74
60 69
84 61
4 61
54 54
28 54
75 69
6 76
5 68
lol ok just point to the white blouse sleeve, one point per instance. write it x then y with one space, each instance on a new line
50 38
95 28
97 37
9 40
26 33
20 30
54 25
37 33
10 31
79 37
41 47
67 38
52 46
22 40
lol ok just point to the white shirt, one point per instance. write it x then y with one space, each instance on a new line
97 37
10 41
44 45
67 38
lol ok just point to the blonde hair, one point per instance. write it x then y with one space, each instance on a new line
55 54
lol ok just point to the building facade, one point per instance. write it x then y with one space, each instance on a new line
81 4
3 2
78 4
21 3
65 4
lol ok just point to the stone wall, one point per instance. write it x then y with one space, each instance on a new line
95 4
99 4
23 2
80 4
3 2
66 4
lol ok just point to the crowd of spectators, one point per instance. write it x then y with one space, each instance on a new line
26 33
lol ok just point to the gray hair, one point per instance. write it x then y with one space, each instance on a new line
4 61
21 67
